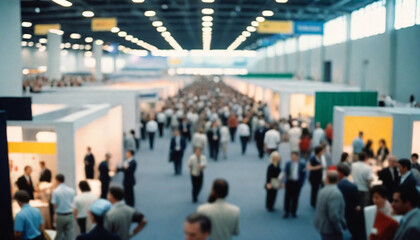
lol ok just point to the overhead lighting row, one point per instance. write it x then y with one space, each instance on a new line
134 40
250 29
207 26
163 31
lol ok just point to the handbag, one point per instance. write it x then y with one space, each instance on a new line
275 183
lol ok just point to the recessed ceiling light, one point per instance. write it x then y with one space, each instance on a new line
99 42
267 13
246 34
26 36
75 46
207 11
30 44
88 39
207 24
75 36
138 1
122 34
207 18
88 54
260 19
150 13
281 1
206 29
26 24
207 1
129 37
157 23
43 40
88 47
134 40
161 29
251 29
88 14
63 3
255 23
24 44
115 30
165 34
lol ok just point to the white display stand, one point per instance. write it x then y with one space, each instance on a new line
405 128
292 94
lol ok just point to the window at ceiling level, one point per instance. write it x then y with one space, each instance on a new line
307 42
290 45
279 46
335 31
405 13
368 21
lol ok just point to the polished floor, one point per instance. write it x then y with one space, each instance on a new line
165 199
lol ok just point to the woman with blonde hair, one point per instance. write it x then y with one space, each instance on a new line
272 180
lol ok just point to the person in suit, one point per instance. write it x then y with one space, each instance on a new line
259 137
197 227
273 171
25 182
315 168
414 161
104 175
382 152
224 217
407 177
330 209
97 212
185 128
129 168
177 148
213 136
390 176
45 173
89 164
294 175
353 210
196 164
405 201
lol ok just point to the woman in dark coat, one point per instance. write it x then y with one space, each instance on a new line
273 172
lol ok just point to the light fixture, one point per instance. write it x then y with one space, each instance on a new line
38 45
150 13
207 11
26 24
88 47
251 29
260 19
157 23
206 29
67 45
122 34
246 34
56 31
161 29
207 24
43 40
99 42
138 1
129 37
165 34
267 13
207 18
207 1
75 36
88 54
134 40
88 14
255 23
26 36
88 39
24 44
75 47
281 1
115 30
63 3
30 44
82 47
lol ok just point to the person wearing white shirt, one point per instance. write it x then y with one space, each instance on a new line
224 139
81 204
272 139
318 135
197 163
161 119
244 133
62 200
199 139
294 136
362 177
151 128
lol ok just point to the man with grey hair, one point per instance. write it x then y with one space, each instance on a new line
330 209
197 227
390 176
104 175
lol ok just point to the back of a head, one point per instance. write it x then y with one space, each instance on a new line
318 149
59 177
116 192
84 186
332 176
343 169
22 196
344 157
202 220
362 157
379 189
404 162
221 188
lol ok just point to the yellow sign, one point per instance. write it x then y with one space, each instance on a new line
273 27
103 24
42 29
32 147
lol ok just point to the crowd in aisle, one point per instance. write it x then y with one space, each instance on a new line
38 83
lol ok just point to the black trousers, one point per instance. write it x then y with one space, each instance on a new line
143 131
104 189
168 122
197 184
177 159
82 224
129 194
232 131
151 139
270 199
89 172
316 185
160 126
291 198
214 149
244 143
260 147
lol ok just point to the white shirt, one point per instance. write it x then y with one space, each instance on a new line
224 134
243 130
272 139
199 140
294 138
151 126
126 163
361 174
63 196
294 168
82 203
194 164
317 137
169 112
161 117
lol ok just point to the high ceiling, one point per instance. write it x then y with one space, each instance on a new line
182 18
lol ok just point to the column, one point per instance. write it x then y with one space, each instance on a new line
347 57
322 76
284 105
115 63
10 49
80 61
54 55
97 55
390 18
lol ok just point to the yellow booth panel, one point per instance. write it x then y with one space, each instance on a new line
32 147
374 128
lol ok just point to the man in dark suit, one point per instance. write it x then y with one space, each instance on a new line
45 173
414 161
213 136
129 167
177 147
405 203
259 137
294 175
89 164
25 182
407 177
353 210
185 129
390 176
104 175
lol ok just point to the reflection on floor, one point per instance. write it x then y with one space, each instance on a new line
165 199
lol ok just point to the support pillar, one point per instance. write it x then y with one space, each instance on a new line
10 49
97 55
54 55
390 30
348 46
284 105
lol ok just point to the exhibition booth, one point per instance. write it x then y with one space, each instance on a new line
399 127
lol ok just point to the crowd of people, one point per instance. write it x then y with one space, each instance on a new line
207 115
35 83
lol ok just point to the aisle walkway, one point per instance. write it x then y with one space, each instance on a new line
165 199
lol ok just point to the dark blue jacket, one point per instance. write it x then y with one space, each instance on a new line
410 181
99 232
104 172
301 171
173 144
129 178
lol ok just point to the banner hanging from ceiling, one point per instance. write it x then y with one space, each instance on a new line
291 27
103 24
42 29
